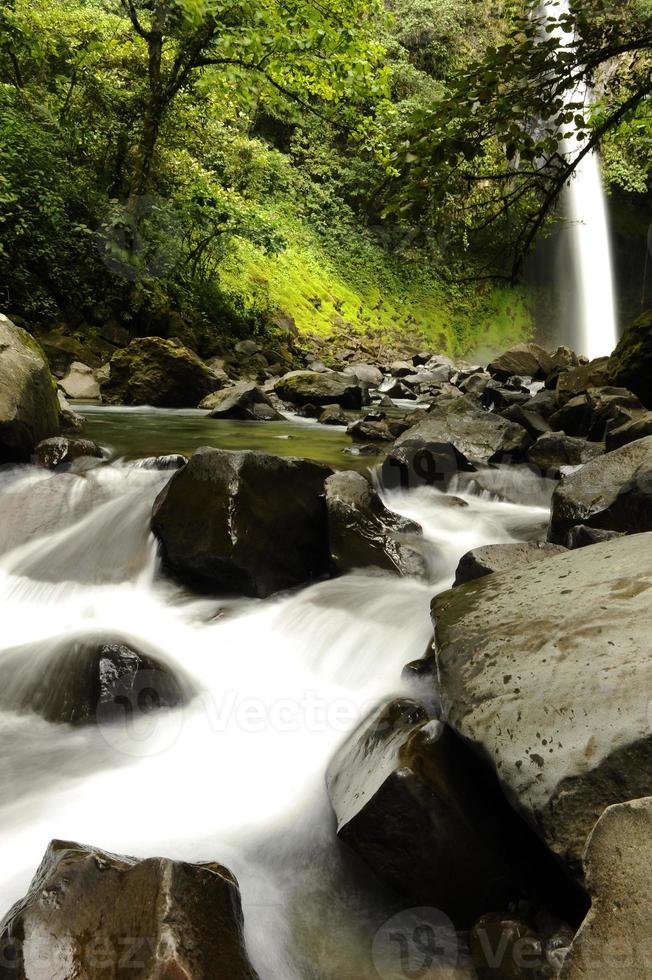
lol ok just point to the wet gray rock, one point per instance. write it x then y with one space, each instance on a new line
80 383
399 369
611 408
366 374
582 536
555 450
573 418
415 464
333 415
394 388
529 360
29 410
363 431
503 558
59 450
363 533
578 380
613 942
546 671
533 423
155 371
629 431
243 401
244 522
312 387
612 492
89 913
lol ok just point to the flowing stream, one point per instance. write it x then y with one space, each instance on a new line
237 775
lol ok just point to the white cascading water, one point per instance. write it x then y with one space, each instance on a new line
594 332
238 774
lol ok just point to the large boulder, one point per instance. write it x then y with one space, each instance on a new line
154 371
530 360
479 436
80 383
413 802
91 678
92 914
629 431
612 492
546 670
366 374
29 410
502 557
363 533
414 463
630 364
244 522
554 450
244 401
578 380
615 940
312 387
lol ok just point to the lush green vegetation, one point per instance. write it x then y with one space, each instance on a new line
217 166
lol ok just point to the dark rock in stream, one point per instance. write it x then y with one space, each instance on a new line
59 450
555 450
311 387
415 463
82 681
629 431
244 522
333 415
174 461
243 401
363 533
154 371
502 558
91 914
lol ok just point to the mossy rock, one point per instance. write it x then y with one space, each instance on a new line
154 371
630 365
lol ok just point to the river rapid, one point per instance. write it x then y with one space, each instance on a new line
237 775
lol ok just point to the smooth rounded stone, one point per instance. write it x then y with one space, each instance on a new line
86 680
154 371
310 387
547 671
573 418
615 940
417 807
90 914
243 401
510 947
502 558
333 415
611 408
363 533
636 428
477 435
174 461
363 431
554 450
630 365
80 383
416 464
530 360
399 369
612 492
29 410
58 450
70 420
244 522
366 374
582 536
578 380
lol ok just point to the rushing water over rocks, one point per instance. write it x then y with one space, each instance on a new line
237 774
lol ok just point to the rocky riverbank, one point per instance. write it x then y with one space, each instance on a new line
528 729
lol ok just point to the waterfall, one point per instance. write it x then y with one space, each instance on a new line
593 330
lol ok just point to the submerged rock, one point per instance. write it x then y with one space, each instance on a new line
154 371
29 410
82 681
92 914
59 450
363 533
244 522
546 671
613 942
312 387
613 493
242 401
502 558
630 364
80 383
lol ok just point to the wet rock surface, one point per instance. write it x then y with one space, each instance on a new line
312 387
154 371
244 401
502 558
92 914
59 450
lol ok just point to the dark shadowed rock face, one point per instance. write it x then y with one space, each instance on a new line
630 364
60 450
101 916
81 681
29 410
415 463
416 806
154 371
244 401
244 522
312 387
578 380
363 533
547 671
613 492
502 558
630 431
554 450
528 360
